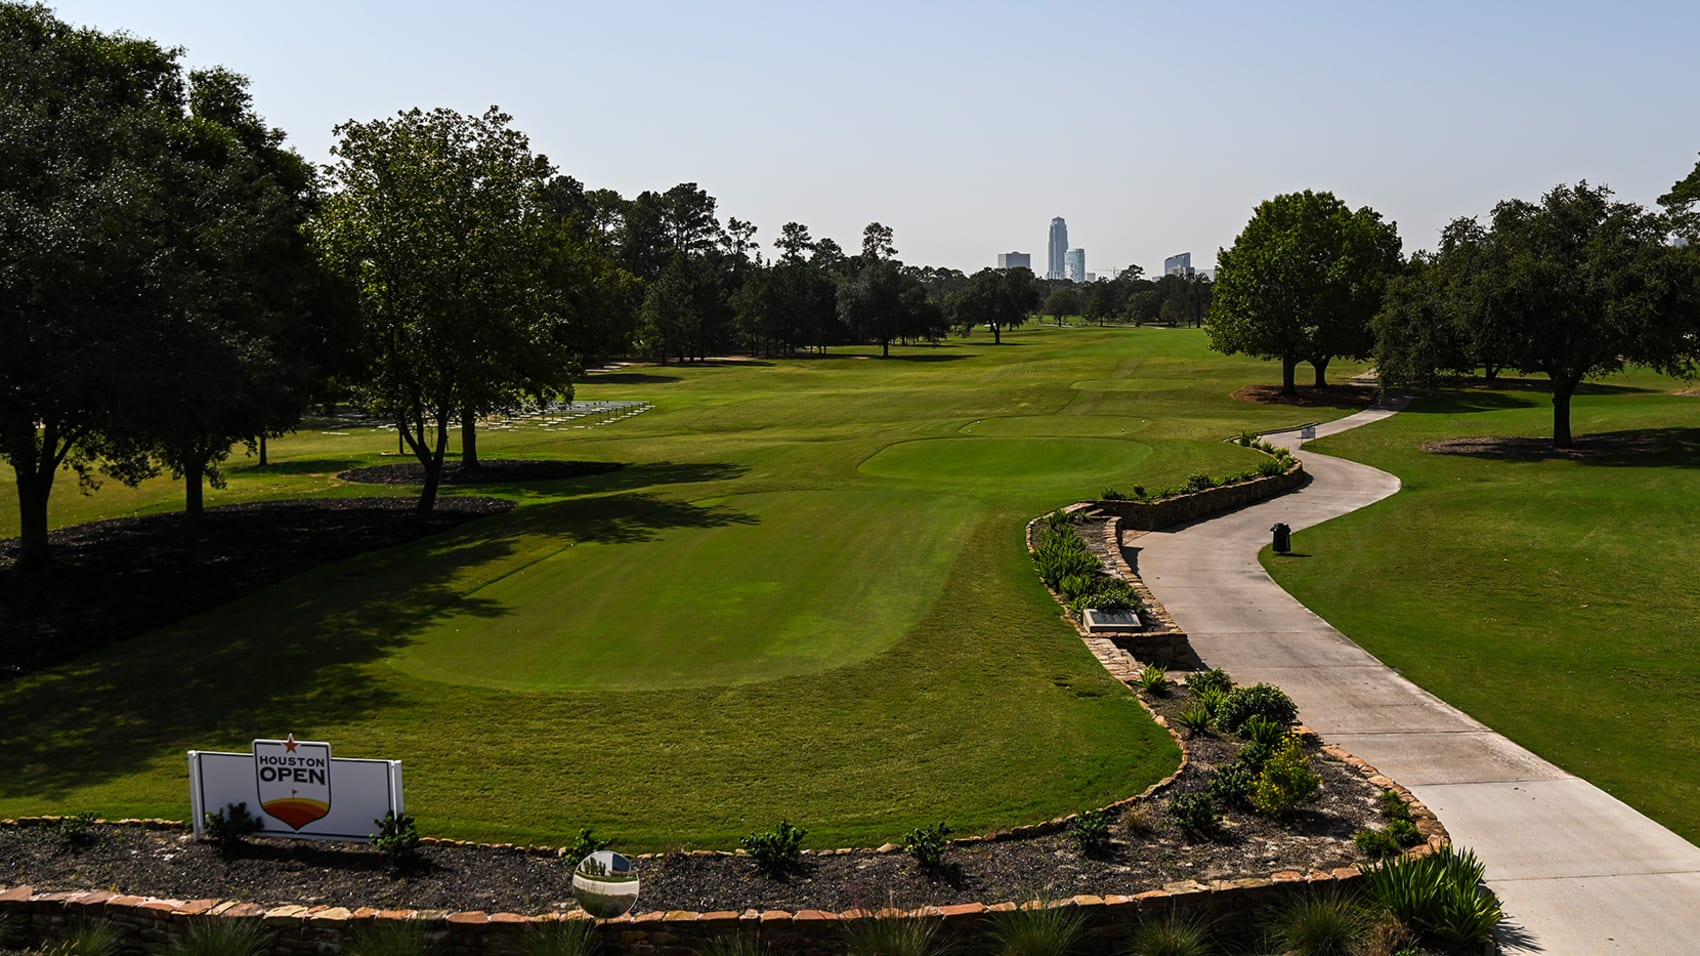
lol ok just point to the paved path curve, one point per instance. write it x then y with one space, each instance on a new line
1579 872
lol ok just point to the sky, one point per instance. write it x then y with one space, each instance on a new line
1151 128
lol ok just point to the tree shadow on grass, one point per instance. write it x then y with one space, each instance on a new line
655 473
628 518
924 357
630 378
1632 448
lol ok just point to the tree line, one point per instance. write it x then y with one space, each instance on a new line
1572 286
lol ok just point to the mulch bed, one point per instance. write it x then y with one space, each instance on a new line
112 580
1149 850
490 471
1309 396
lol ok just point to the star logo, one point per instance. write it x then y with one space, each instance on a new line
289 743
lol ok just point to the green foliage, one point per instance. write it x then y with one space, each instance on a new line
1041 930
1438 895
1171 934
1210 699
1232 785
1393 806
1199 482
893 936
927 844
777 851
1196 813
566 937
1062 554
1075 586
76 830
1092 833
1376 844
1258 700
1286 780
229 827
1215 679
1111 494
397 839
83 938
1194 718
1404 832
586 843
1270 468
388 937
1254 755
1106 594
1328 923
221 937
1154 679
1262 731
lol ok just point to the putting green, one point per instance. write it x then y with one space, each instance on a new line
1071 426
1061 463
802 582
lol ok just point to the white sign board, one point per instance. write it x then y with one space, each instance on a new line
295 788
1307 431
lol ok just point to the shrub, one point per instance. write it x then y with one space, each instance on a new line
584 845
1170 935
1211 700
1038 931
75 831
1106 594
1154 679
1247 440
1253 756
1375 844
221 937
1062 554
1111 494
1269 468
928 845
1331 923
87 938
1258 700
1137 819
1194 718
388 937
1198 483
397 839
1258 729
776 851
1139 492
1404 832
1232 786
1195 812
1393 806
1215 679
230 826
892 936
567 937
1438 895
1092 833
1286 780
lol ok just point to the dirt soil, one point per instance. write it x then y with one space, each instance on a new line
490 471
111 580
1309 396
1148 850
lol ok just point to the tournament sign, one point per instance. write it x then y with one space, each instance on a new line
295 788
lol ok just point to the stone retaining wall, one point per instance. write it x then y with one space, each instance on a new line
1198 505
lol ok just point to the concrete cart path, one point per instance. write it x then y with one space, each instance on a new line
1580 872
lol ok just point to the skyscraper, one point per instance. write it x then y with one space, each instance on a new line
1014 260
1180 265
1054 264
1076 260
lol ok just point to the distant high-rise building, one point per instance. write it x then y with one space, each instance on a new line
1014 260
1180 265
1076 262
1059 247
1091 277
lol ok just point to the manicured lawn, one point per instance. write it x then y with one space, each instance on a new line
806 596
1554 599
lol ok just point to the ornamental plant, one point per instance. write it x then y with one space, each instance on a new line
1286 780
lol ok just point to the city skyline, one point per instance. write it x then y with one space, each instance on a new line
829 118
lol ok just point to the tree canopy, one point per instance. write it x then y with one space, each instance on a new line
1301 282
996 299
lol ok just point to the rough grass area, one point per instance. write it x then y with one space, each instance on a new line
751 620
1553 595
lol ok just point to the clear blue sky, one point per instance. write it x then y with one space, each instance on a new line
1152 128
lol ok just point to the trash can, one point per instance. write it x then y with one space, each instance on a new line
1283 537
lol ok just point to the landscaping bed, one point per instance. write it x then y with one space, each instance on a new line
1148 850
112 580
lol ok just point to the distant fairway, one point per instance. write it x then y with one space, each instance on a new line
1555 599
805 596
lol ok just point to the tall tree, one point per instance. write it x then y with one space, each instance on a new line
997 299
1061 302
793 243
1301 282
1574 286
877 242
438 220
871 305
1682 205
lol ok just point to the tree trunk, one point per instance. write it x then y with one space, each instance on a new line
433 462
1490 372
997 335
1561 393
468 440
194 479
1288 367
263 461
885 348
33 493
1321 372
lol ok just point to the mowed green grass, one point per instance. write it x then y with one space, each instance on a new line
1556 600
805 596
